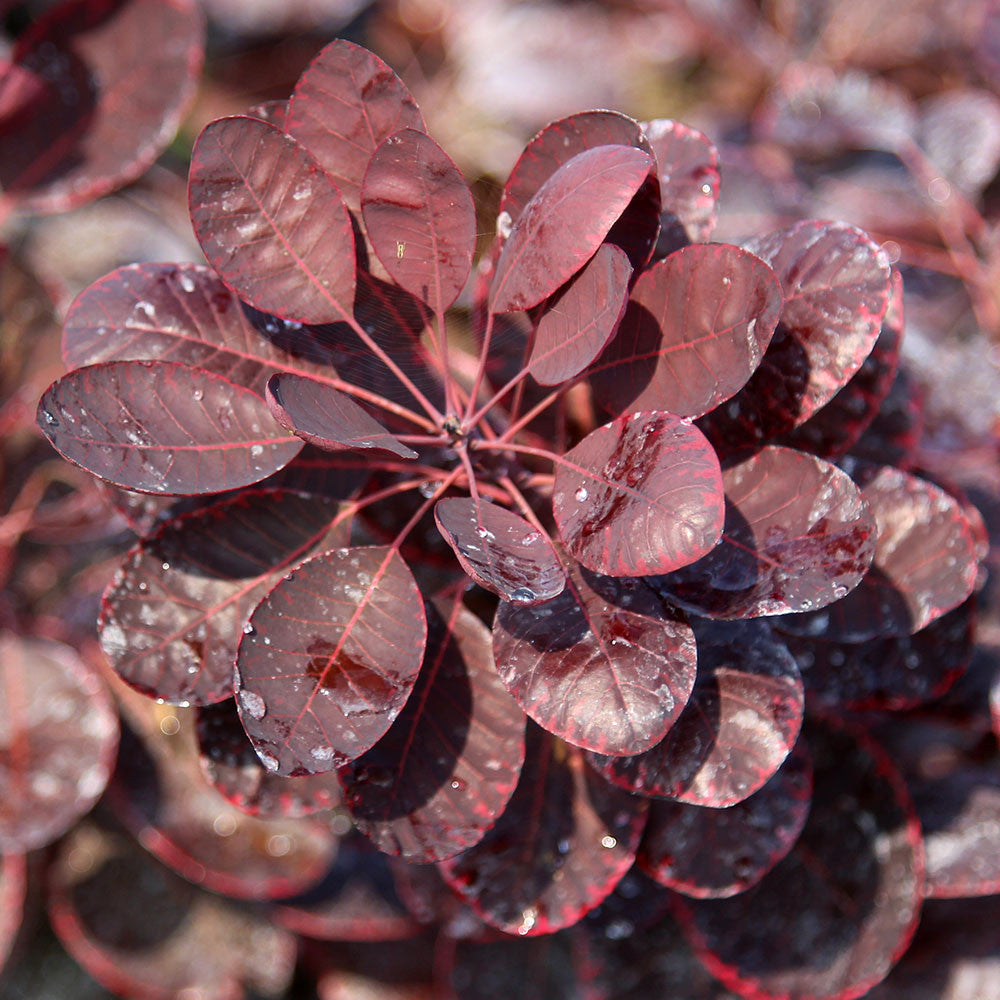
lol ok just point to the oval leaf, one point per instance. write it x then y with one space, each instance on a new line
640 495
162 427
329 659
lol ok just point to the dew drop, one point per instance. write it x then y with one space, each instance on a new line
248 629
581 494
530 538
608 842
197 395
268 760
322 753
253 704
186 283
523 595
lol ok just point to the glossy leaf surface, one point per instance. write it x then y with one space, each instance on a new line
606 665
330 658
640 495
162 427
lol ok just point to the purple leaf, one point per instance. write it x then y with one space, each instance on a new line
696 327
739 724
500 550
562 845
641 495
271 221
328 418
798 536
606 665
713 853
344 105
329 658
564 224
581 318
162 427
59 740
447 767
172 617
420 218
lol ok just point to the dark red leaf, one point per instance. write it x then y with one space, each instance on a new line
741 720
696 327
606 665
831 919
329 658
893 437
162 427
344 105
798 536
271 221
581 318
500 550
563 843
420 218
641 495
89 103
713 853
447 767
60 734
564 223
328 418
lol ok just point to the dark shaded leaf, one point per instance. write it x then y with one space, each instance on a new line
57 741
271 221
798 536
696 327
741 720
329 658
893 437
500 550
162 427
563 843
641 495
564 224
606 665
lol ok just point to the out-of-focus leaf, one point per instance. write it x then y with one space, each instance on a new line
960 132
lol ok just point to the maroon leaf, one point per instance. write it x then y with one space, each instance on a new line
606 665
447 767
641 495
271 221
696 327
739 724
172 617
500 550
563 843
831 919
329 658
581 318
564 223
798 536
89 103
893 437
327 418
345 104
713 853
162 427
420 218
59 737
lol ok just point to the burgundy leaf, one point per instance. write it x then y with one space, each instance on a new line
696 327
581 318
162 427
57 741
420 218
271 221
89 103
327 418
329 658
893 437
713 853
831 919
741 720
564 223
563 843
606 665
798 536
172 617
344 105
641 495
447 767
500 550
